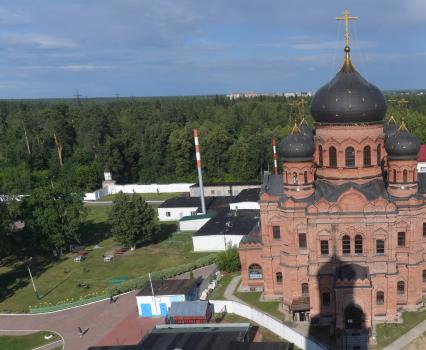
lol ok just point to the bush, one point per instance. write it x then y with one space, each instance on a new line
229 260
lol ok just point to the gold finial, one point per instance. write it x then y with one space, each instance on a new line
346 17
402 103
303 121
296 129
402 127
391 120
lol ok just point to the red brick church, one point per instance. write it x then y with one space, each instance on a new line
343 227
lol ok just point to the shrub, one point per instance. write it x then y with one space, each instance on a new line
229 260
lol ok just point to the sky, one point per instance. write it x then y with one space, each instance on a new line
51 48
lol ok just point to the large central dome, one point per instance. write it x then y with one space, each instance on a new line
348 98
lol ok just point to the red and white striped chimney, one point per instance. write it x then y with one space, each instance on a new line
200 173
274 148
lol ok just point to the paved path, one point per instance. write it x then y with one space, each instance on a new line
50 346
97 318
229 291
407 337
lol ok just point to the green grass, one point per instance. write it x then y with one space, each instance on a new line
388 333
26 342
146 196
57 280
218 293
269 307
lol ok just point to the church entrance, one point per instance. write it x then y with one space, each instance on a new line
354 317
355 336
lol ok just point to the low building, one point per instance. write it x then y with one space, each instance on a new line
156 301
189 312
246 199
220 189
175 209
193 222
421 159
225 229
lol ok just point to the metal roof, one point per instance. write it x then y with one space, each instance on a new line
188 308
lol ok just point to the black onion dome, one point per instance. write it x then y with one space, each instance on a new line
390 128
348 98
297 147
402 145
306 129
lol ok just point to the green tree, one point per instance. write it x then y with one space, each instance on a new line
53 215
229 260
133 221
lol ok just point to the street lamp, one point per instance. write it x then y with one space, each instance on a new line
32 279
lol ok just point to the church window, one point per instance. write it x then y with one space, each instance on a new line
305 177
255 272
305 290
302 241
400 287
394 175
424 230
332 154
367 156
401 239
279 277
380 298
405 176
324 247
358 244
424 276
276 233
326 299
346 245
380 246
320 158
379 154
295 181
350 157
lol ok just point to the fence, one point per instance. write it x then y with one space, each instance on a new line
135 188
268 322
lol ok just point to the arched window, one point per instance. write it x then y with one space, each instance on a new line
367 156
380 298
405 176
295 181
394 175
279 277
255 272
379 154
346 245
332 154
326 299
350 157
400 287
305 177
424 276
320 159
305 290
358 244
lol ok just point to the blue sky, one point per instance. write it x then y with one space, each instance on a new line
49 48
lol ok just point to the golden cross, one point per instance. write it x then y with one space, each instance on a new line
347 18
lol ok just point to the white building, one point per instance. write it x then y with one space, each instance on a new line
247 199
222 189
193 222
165 292
421 159
175 209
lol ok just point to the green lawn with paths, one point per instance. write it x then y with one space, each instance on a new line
26 342
58 280
219 291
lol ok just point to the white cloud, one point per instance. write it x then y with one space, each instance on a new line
34 40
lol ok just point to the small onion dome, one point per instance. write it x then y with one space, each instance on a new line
390 128
297 147
348 98
306 129
402 145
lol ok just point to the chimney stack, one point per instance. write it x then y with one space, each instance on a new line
274 148
200 174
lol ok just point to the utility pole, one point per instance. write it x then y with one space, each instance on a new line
77 95
32 279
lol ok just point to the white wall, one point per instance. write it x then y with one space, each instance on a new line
192 225
175 213
421 167
268 322
214 242
155 302
244 205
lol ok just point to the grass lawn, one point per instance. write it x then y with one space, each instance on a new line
58 280
220 289
26 342
146 196
387 333
269 307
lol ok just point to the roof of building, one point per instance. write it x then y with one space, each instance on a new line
188 308
402 145
348 98
213 184
220 202
185 202
253 237
194 217
297 147
421 157
169 287
227 222
247 195
390 128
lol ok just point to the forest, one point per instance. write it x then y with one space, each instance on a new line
147 140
